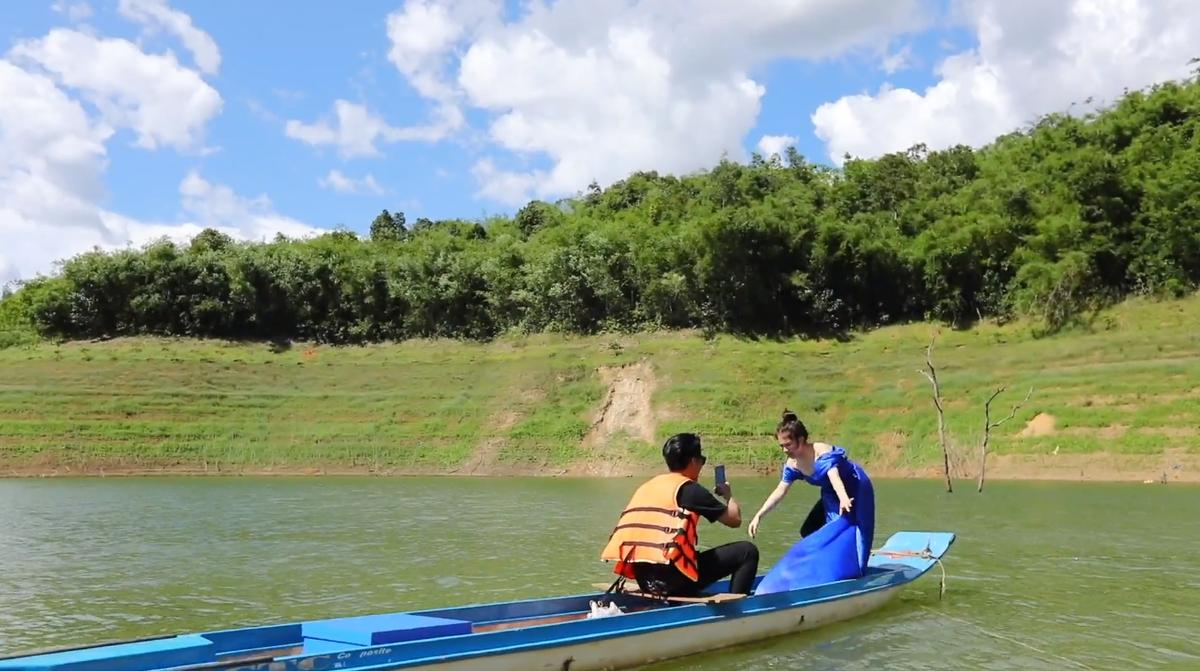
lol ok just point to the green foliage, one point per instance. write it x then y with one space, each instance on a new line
17 325
536 216
1052 222
388 227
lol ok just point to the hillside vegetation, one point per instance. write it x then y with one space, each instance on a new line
1048 222
1118 400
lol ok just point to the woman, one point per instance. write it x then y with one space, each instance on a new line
845 488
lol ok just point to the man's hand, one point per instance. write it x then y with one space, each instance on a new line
754 526
724 491
844 505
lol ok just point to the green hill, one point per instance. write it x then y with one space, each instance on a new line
1118 400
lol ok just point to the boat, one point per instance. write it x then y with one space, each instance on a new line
552 634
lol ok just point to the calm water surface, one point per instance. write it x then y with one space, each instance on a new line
1043 576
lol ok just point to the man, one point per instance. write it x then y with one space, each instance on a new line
654 541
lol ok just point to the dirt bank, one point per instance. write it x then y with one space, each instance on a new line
1100 467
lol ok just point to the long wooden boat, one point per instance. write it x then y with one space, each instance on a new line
554 634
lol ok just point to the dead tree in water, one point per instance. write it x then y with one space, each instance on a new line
937 403
988 425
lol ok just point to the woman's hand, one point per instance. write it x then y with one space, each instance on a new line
844 505
754 526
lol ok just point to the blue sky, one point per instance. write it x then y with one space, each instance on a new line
469 107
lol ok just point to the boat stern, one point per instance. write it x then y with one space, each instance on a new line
918 550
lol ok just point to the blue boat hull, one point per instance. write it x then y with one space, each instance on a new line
552 634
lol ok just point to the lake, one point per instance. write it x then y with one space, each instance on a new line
1043 575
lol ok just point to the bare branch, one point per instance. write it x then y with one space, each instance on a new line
937 403
988 425
1015 408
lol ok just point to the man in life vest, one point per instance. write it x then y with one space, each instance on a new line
654 541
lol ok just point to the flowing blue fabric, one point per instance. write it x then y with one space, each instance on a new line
841 548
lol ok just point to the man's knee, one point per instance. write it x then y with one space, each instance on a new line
746 550
751 551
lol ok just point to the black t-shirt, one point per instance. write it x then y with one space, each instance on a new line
694 497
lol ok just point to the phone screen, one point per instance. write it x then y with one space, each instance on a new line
720 473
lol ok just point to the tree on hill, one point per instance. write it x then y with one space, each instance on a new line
1050 222
388 227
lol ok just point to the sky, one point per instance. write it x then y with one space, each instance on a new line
123 121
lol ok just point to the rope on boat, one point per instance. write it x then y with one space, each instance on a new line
919 554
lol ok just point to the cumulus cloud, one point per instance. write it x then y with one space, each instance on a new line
75 11
158 15
163 102
217 206
1032 58
355 130
62 99
424 33
897 61
770 145
31 245
339 182
506 186
597 89
52 159
601 114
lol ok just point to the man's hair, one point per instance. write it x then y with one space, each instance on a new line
680 449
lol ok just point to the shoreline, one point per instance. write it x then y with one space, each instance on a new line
1096 467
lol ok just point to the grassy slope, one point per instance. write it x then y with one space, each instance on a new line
1131 385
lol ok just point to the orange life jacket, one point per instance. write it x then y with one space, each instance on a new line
654 529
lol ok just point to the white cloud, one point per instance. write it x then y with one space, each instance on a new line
31 241
342 184
53 152
895 62
599 89
1033 58
503 186
424 33
157 14
75 11
770 145
601 114
217 206
52 159
152 94
355 130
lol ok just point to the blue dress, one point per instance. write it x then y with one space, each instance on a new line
841 549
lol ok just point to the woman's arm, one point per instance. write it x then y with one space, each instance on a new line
844 500
776 496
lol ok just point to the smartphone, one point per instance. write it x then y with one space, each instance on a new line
720 473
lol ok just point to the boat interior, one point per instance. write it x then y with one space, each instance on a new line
280 643
236 647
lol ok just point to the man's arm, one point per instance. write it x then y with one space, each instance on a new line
694 497
732 517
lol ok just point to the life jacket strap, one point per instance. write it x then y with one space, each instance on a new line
673 512
642 525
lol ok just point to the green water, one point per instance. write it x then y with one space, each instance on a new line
1043 576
